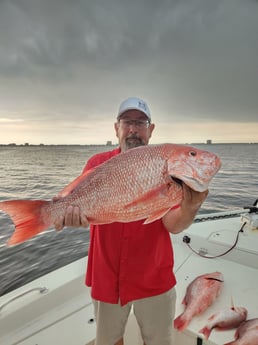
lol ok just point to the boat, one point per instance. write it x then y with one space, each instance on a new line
57 309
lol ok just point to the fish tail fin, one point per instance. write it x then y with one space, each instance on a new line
205 331
27 218
181 322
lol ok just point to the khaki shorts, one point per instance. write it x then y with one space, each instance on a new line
154 315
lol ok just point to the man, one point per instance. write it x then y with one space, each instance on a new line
132 263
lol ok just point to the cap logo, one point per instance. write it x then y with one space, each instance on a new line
142 105
136 104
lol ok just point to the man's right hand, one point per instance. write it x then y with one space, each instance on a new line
73 217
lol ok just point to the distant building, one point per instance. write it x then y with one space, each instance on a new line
109 143
209 141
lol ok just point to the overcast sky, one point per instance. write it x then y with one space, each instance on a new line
65 66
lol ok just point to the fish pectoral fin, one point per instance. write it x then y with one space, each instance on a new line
184 301
71 186
156 216
211 317
151 195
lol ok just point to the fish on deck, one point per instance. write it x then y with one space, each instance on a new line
200 294
246 333
141 183
225 319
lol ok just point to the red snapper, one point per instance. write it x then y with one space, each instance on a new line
225 319
200 294
246 334
141 183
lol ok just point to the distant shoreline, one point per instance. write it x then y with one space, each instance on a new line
47 145
114 145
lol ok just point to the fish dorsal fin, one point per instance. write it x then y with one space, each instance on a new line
71 186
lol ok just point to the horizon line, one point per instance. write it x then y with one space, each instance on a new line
111 144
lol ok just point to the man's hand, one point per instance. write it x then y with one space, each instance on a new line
73 217
192 200
180 218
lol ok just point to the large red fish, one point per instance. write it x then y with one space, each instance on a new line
200 294
141 183
225 319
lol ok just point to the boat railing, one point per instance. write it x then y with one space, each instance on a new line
42 290
218 215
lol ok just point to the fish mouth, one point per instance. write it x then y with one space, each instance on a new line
177 180
190 182
217 279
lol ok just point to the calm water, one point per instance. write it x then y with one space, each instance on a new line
41 172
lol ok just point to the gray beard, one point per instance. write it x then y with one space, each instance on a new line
133 142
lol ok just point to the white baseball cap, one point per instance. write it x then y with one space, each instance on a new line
134 103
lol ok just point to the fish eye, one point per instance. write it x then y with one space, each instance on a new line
192 153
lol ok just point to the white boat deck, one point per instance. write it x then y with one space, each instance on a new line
64 314
239 267
38 315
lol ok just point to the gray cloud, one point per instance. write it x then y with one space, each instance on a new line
196 58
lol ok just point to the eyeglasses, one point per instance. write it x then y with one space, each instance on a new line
140 124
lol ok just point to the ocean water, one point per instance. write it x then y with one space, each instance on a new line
40 172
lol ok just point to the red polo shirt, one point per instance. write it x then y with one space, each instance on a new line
128 261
